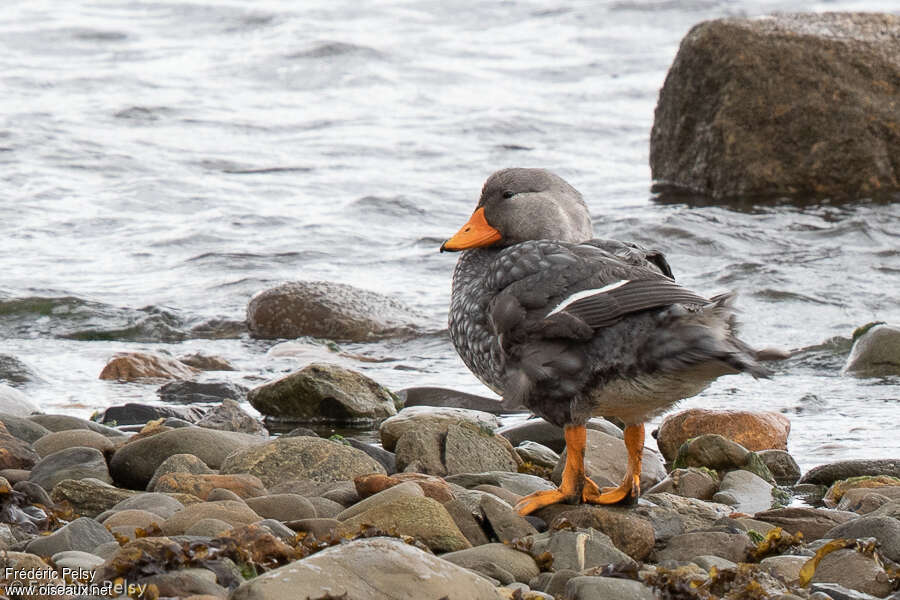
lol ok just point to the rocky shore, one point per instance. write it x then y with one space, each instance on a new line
220 509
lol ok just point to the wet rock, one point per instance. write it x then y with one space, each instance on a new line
387 459
434 396
302 458
506 524
420 517
64 422
283 507
194 392
229 416
325 309
537 454
71 463
813 523
845 469
61 440
178 463
579 549
593 588
432 420
134 463
22 428
517 483
206 362
16 371
745 492
232 512
369 569
551 436
780 106
82 534
135 366
606 459
15 453
135 413
15 403
865 500
876 350
493 560
162 505
200 485
853 570
751 430
390 494
837 490
628 532
684 547
470 448
126 522
884 529
692 482
782 465
324 392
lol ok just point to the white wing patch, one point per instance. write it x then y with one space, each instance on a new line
585 294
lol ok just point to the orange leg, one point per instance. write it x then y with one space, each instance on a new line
576 487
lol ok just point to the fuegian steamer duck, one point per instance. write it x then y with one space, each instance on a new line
574 327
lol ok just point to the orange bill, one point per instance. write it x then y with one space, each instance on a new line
474 234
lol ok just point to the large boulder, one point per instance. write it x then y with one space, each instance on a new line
329 310
301 458
369 569
134 463
324 392
875 352
783 105
752 430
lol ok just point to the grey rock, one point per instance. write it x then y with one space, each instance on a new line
579 549
159 504
787 568
369 569
320 527
136 413
631 533
82 534
813 523
387 459
16 371
300 457
324 392
207 362
708 561
342 492
232 512
134 463
885 529
60 440
782 465
875 351
76 559
853 570
839 592
839 143
537 454
195 392
745 492
23 428
15 403
687 546
279 529
504 521
229 416
498 559
35 493
406 489
324 507
421 452
469 448
845 469
89 497
692 482
866 500
517 483
71 463
890 509
223 494
552 436
63 422
673 515
606 459
432 419
600 588
178 463
208 527
283 507
466 521
184 583
434 396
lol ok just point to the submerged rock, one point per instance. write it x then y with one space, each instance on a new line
790 104
323 392
845 469
752 430
206 362
190 392
135 413
134 366
325 309
875 352
369 569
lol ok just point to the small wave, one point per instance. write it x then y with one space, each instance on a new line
329 49
143 113
234 168
384 206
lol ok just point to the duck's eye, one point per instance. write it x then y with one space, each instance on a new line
508 194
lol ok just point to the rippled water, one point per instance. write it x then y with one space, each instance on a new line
163 161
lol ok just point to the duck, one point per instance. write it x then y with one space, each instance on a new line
574 327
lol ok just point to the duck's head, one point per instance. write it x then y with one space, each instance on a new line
518 205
